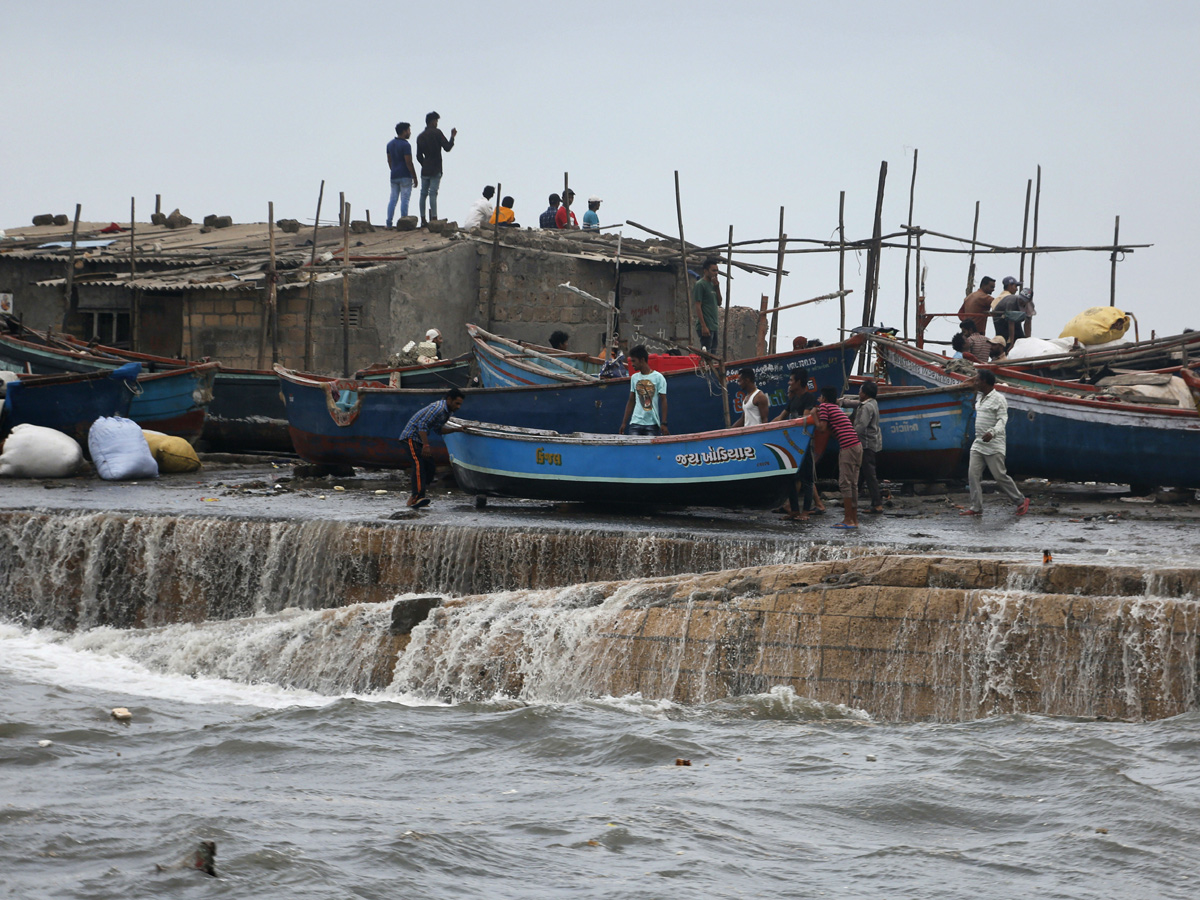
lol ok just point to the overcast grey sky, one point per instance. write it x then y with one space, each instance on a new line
222 106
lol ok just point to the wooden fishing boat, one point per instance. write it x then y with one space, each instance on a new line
505 363
736 467
173 400
444 374
357 422
1065 430
1090 363
927 432
71 402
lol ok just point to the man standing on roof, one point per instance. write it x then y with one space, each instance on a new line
404 176
564 217
991 420
1012 317
546 219
591 218
414 442
706 297
481 209
430 144
977 305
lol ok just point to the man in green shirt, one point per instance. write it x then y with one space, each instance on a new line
706 297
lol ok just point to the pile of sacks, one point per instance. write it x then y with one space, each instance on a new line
119 448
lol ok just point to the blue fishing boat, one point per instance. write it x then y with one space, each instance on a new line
505 363
735 467
335 421
927 433
70 403
173 400
1059 429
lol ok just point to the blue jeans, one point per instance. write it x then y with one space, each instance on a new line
402 188
429 188
644 430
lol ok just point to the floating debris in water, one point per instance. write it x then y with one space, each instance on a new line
121 714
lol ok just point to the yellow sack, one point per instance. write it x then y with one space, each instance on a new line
173 454
1097 325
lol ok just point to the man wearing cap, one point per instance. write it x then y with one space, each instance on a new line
433 336
546 219
430 144
1010 286
591 218
977 305
564 218
1012 316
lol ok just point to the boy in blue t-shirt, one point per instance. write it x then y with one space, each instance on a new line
646 387
591 218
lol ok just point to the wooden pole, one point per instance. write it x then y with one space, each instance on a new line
341 209
1025 227
1037 203
974 238
565 198
912 190
272 291
70 282
873 253
493 267
135 301
778 285
312 278
346 290
158 204
760 335
725 328
842 263
683 271
920 311
1112 287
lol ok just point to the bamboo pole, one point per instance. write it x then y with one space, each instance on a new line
272 290
1025 227
830 296
1037 203
912 190
683 271
70 282
873 253
341 209
918 319
974 242
1112 286
760 334
346 290
136 317
493 268
312 277
778 286
725 330
842 264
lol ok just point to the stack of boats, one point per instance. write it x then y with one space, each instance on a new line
542 423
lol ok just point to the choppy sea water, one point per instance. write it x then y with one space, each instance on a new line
382 796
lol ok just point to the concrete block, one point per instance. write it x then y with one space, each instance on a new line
223 222
407 223
44 219
361 226
61 219
158 219
177 220
289 226
436 226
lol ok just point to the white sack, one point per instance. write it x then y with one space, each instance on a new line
1030 348
119 450
32 451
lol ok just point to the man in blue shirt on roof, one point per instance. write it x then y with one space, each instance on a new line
414 442
404 175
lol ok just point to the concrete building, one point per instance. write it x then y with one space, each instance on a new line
201 291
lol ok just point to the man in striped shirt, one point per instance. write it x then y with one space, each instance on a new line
414 442
831 418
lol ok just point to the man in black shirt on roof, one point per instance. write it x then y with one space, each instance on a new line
430 144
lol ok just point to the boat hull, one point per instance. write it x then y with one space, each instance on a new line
68 403
926 434
745 467
1074 438
368 434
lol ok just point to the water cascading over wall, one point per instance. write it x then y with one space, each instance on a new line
88 569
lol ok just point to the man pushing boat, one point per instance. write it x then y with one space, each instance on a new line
414 442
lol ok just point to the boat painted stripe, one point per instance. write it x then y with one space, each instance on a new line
887 416
550 477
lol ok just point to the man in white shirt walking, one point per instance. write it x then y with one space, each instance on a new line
991 418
